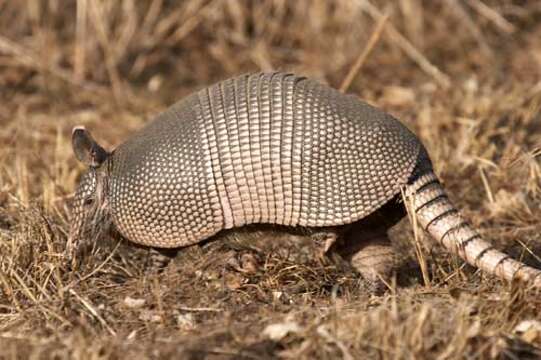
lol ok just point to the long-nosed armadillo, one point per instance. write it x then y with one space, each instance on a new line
267 148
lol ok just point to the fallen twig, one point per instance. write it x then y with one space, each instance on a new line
376 34
406 46
93 311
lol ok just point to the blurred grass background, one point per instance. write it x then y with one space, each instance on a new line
465 75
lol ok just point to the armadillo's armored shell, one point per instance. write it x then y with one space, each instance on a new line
263 148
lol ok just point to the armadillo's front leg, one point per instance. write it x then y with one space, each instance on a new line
324 240
158 259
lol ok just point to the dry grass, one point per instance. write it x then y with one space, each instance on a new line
465 75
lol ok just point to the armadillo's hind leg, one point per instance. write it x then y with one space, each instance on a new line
372 255
366 245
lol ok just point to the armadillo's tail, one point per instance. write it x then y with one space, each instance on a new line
439 217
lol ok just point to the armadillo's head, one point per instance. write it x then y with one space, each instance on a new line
90 215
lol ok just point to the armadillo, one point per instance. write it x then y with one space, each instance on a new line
269 148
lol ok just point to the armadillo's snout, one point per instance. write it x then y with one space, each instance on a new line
70 250
82 237
88 225
73 243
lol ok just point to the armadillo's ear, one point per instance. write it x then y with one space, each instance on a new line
86 149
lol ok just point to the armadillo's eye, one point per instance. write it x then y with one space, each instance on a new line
88 201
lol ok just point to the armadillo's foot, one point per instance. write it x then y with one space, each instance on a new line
372 255
158 259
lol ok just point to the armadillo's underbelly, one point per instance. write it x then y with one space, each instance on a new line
265 148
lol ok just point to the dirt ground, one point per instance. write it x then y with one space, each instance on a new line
465 75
